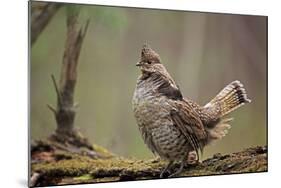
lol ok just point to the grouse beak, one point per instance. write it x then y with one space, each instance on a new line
138 64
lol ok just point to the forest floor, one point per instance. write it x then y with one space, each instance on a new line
54 167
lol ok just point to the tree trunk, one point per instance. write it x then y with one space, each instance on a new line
65 111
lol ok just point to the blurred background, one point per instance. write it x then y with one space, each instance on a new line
202 51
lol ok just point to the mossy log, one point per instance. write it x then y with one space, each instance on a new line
66 168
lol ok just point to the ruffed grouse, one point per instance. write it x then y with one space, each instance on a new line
173 126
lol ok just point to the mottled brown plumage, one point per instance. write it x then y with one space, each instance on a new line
172 126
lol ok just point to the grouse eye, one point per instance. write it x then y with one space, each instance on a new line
149 62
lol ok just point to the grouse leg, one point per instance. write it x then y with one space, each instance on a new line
166 169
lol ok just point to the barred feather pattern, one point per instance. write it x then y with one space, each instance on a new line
230 98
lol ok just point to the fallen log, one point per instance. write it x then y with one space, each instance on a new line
76 169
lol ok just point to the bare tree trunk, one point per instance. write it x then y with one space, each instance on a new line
41 14
66 108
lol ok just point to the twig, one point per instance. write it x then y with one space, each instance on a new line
57 90
41 14
52 108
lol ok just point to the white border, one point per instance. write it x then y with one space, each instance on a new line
13 93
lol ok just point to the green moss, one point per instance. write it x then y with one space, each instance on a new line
84 177
102 151
82 169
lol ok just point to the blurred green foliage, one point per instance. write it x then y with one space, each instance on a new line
113 19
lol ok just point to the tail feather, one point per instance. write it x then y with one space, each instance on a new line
219 131
230 98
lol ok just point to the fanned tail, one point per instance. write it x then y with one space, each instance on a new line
230 98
